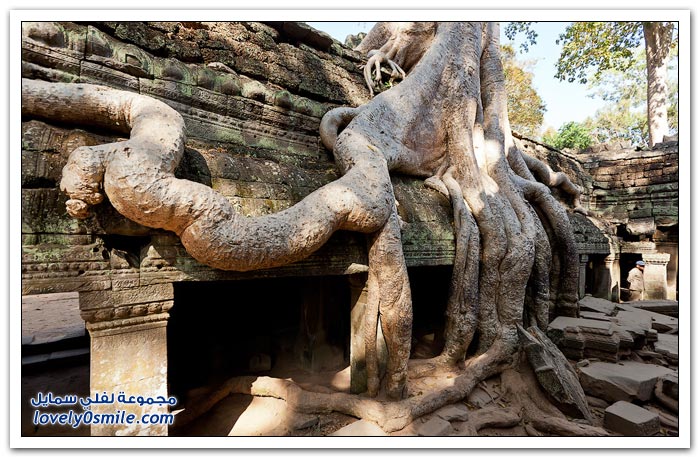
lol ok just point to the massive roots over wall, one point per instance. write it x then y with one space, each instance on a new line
515 260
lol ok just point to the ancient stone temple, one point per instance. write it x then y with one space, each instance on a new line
252 96
632 199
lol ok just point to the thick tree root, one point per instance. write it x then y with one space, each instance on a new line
138 177
489 417
446 388
527 404
522 389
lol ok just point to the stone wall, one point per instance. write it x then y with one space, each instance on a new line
252 96
638 189
632 199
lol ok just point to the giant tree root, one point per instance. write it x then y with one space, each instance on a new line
527 405
537 411
391 415
446 120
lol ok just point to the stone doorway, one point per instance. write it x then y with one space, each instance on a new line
274 326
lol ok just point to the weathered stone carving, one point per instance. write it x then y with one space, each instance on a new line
446 122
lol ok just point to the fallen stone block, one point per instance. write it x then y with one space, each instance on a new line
626 381
652 335
667 420
661 323
669 383
631 420
580 338
454 412
360 428
569 332
594 316
596 304
664 307
434 427
554 373
667 345
648 354
637 323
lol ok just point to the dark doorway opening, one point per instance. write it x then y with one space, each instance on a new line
219 330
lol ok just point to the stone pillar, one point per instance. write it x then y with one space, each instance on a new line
128 354
582 261
612 267
358 308
655 275
671 267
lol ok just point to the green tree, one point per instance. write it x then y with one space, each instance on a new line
525 106
570 135
601 46
610 45
623 117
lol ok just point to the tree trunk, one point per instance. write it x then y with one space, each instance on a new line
657 40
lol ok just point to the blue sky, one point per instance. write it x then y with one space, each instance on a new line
565 101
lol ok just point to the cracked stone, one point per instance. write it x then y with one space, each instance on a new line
625 381
631 420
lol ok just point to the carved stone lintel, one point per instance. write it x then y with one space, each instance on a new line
656 258
116 306
128 324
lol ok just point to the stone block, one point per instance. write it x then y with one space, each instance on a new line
641 226
631 420
142 295
360 428
132 359
664 307
667 345
660 322
626 381
563 323
434 427
454 412
554 373
638 324
594 316
669 385
595 304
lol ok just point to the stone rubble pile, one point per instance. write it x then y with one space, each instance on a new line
626 357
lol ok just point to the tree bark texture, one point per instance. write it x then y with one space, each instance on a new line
657 44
